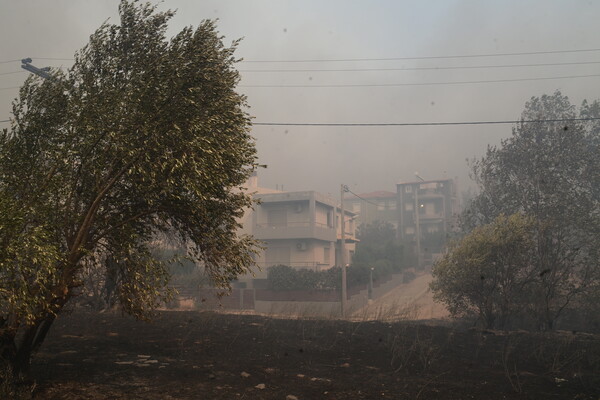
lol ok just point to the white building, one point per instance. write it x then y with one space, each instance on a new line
298 229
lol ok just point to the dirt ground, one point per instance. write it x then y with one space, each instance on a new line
207 355
413 300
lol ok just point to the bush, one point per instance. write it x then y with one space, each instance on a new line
283 277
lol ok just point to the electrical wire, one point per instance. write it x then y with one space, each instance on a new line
427 57
362 198
421 68
384 58
13 72
9 61
426 123
422 83
53 58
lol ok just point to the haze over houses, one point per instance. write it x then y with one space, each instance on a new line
422 213
302 229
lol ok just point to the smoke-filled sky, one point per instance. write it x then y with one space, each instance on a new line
391 38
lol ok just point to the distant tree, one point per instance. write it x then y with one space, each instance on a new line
378 246
141 136
549 171
489 272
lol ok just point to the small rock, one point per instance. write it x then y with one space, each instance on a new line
245 374
300 375
291 397
345 365
123 362
151 361
143 356
261 386
270 370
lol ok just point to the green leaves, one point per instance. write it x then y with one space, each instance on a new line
488 271
548 171
143 136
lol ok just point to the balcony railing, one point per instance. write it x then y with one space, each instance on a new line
293 225
314 265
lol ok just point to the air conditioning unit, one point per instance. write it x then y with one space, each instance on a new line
301 246
298 208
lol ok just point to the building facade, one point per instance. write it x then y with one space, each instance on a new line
299 229
426 215
374 206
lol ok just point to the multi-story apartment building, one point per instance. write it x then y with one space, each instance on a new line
426 212
300 229
374 206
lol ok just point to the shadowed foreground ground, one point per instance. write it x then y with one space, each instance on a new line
192 355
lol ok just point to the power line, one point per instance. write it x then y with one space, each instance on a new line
423 83
7 88
420 68
425 123
13 72
9 61
427 57
362 198
382 58
5 120
53 58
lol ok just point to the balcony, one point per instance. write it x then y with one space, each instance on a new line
295 230
431 215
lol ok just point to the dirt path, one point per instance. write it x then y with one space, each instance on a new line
410 301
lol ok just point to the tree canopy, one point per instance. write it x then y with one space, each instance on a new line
378 247
143 136
548 170
488 272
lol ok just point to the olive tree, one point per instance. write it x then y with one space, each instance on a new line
488 273
143 136
549 170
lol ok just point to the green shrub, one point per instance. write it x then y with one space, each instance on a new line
283 277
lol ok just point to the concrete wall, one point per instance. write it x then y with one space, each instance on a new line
298 308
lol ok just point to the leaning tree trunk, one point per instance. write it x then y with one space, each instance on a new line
19 343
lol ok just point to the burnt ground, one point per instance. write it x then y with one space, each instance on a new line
205 355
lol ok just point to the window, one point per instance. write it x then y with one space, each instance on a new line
392 205
408 189
409 230
433 229
380 205
409 207
326 255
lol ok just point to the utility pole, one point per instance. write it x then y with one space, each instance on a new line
343 190
418 225
43 72
417 219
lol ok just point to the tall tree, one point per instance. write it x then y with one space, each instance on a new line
142 136
548 171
